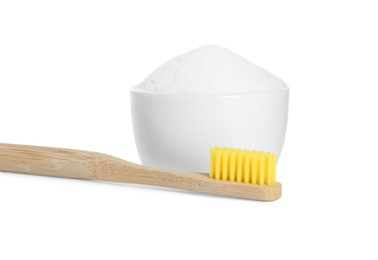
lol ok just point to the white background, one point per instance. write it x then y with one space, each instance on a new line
65 70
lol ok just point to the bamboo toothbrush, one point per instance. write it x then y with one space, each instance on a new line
233 172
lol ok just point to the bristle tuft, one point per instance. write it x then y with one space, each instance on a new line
244 166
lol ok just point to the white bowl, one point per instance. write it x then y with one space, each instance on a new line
176 131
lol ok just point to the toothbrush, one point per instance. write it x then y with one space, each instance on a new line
233 172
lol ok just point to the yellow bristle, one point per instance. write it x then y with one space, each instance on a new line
254 167
269 169
217 159
232 164
247 167
239 166
212 162
244 157
261 168
224 171
244 166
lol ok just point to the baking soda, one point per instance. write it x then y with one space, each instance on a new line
211 69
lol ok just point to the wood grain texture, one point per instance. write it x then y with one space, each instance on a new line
87 165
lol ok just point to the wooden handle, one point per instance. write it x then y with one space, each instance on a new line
78 164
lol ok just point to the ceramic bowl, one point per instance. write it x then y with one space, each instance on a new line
175 131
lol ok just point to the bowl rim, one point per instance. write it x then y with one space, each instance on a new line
136 89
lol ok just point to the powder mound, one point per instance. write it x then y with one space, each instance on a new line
211 69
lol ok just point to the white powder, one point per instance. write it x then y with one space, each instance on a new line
210 69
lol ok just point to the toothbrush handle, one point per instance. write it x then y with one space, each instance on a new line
46 161
68 163
88 165
78 164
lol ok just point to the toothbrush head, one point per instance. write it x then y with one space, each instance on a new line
245 166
